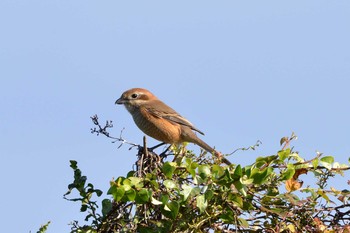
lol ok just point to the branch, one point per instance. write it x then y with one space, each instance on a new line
103 130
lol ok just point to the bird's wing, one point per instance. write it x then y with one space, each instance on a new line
164 111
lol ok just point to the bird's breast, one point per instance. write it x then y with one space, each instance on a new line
157 127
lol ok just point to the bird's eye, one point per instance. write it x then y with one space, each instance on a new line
134 96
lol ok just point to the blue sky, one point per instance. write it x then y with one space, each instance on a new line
241 71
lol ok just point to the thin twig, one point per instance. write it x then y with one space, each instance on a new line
103 130
253 147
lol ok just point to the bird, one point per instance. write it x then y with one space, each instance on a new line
161 122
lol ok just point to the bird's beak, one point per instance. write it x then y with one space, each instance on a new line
120 101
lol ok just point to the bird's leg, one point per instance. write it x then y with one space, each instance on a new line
163 154
156 146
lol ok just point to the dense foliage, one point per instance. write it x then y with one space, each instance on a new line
195 193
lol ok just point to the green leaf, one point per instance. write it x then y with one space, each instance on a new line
164 198
315 163
246 181
142 196
106 206
119 181
236 199
195 191
296 157
168 169
130 174
43 228
127 182
186 190
261 176
169 184
327 159
217 170
283 154
272 191
187 162
155 184
204 171
73 164
288 173
228 217
261 161
243 222
227 175
323 194
83 208
238 172
130 194
143 229
201 203
283 140
173 208
192 171
248 171
194 165
136 182
209 194
98 192
239 186
116 192
254 172
247 206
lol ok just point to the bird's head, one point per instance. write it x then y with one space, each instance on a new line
134 98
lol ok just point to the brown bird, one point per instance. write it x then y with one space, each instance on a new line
161 122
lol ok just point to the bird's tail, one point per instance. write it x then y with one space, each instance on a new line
208 148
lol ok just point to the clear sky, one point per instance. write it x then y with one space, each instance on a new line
241 71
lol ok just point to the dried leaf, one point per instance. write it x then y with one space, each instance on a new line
293 185
298 172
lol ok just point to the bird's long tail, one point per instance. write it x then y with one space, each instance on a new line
208 148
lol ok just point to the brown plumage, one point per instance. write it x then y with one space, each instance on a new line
161 122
